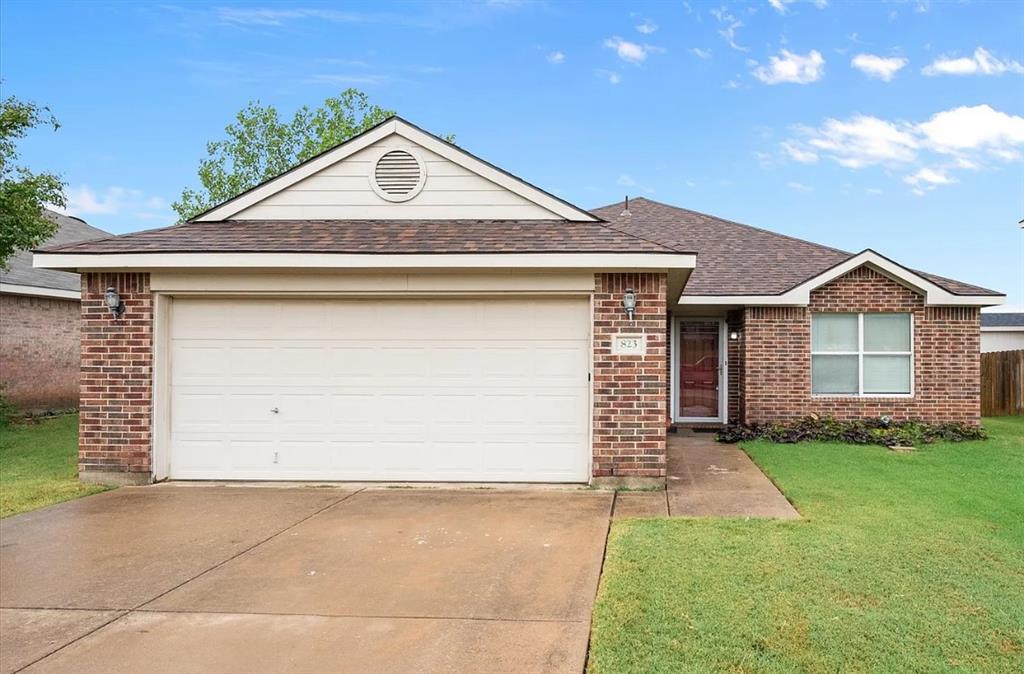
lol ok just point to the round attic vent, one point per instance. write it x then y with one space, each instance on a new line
398 175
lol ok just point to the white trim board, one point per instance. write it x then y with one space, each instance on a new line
36 291
596 261
723 370
800 295
411 133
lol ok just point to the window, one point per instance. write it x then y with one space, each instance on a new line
861 354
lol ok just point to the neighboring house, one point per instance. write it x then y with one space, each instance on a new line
398 309
39 319
1002 332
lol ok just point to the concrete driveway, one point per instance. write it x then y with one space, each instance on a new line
272 579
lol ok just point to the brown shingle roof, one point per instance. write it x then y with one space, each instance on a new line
376 236
737 259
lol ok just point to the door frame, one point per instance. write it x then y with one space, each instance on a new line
723 370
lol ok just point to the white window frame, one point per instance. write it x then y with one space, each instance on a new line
860 353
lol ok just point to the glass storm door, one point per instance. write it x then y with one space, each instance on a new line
699 371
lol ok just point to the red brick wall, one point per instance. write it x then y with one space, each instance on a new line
630 396
116 379
39 352
777 356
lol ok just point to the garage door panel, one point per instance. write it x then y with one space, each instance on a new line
476 390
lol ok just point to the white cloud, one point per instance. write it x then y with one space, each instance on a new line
646 27
631 52
556 57
730 25
979 127
929 176
981 63
792 68
799 187
781 6
701 53
626 180
879 67
873 191
958 139
800 154
860 141
610 75
84 201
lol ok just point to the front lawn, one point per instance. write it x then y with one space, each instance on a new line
38 465
903 563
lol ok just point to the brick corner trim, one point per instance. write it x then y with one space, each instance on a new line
116 392
630 392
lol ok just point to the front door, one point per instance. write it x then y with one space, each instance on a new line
699 370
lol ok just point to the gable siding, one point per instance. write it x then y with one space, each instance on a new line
342 192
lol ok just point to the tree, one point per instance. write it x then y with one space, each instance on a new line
259 146
24 195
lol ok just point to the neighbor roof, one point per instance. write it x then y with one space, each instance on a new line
1003 320
376 236
21 273
737 259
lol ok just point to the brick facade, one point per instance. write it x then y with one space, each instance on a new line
630 399
39 352
776 354
116 379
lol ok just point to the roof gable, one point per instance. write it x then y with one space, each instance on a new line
340 185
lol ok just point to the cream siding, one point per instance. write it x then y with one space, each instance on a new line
342 191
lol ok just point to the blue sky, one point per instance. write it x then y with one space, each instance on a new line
892 125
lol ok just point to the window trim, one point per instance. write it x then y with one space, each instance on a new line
860 353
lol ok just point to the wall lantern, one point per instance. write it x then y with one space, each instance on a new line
114 303
734 335
629 303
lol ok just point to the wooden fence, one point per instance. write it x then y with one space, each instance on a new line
1002 383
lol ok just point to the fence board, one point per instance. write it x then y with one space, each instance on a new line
1002 383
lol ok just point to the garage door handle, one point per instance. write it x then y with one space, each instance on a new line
274 410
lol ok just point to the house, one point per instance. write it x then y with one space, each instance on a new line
1002 331
39 318
399 309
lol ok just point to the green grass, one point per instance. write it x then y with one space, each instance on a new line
903 563
38 465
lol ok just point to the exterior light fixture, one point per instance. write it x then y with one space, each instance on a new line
629 303
114 303
734 335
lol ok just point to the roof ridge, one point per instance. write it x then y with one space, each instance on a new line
738 224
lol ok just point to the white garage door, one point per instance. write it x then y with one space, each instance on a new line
425 389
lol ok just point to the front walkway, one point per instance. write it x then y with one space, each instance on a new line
708 479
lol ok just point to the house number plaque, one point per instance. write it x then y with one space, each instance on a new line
629 345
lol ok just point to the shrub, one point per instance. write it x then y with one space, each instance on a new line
7 410
873 431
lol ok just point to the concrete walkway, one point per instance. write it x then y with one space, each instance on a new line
707 479
713 479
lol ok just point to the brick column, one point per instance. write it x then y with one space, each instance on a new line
630 398
116 395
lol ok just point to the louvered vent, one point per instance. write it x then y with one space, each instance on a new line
398 174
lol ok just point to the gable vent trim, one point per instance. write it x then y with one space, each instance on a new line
398 175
